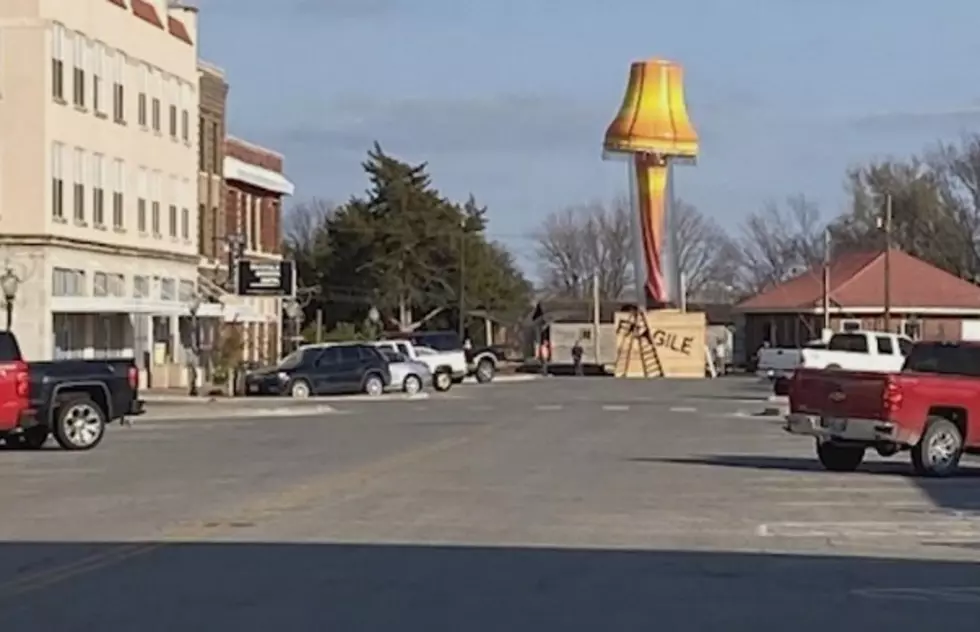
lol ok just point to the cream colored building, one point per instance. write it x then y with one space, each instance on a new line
98 175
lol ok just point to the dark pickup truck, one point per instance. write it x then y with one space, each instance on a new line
70 399
931 409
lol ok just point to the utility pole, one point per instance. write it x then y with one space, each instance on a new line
595 316
462 281
888 262
826 281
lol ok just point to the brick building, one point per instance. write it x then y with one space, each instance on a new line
926 303
213 90
254 189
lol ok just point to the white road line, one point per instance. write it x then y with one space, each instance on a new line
856 530
545 407
615 407
683 409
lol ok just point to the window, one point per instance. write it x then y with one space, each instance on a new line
118 62
186 96
943 358
330 355
905 346
216 148
855 343
118 199
156 192
141 286
154 78
173 96
185 224
58 180
68 282
99 85
173 220
79 190
142 186
141 107
200 144
885 346
81 49
850 325
168 289
912 329
59 39
186 291
98 189
100 285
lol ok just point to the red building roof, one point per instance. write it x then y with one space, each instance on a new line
857 280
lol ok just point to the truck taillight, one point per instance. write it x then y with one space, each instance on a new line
23 382
134 378
892 397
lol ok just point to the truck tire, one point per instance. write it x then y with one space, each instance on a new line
442 381
485 370
839 458
938 452
79 423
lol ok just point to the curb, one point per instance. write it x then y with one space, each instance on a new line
240 413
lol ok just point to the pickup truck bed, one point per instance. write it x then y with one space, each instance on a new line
931 408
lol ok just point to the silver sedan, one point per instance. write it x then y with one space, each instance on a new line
406 375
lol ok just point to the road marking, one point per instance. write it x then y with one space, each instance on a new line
867 529
683 409
549 407
265 507
947 594
615 408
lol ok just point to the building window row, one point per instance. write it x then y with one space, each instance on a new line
101 76
73 282
98 189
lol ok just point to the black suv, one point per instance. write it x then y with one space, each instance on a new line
323 369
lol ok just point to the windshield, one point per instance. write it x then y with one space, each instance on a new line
292 361
425 351
946 359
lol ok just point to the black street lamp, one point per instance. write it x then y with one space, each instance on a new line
9 283
193 306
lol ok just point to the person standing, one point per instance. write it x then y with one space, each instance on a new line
577 353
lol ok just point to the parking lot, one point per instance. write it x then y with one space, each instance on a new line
552 504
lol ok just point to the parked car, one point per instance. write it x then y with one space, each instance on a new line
877 351
931 408
446 366
323 369
73 400
407 375
481 363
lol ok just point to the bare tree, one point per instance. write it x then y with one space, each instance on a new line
306 239
577 242
778 243
704 254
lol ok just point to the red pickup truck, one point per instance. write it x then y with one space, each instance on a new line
931 408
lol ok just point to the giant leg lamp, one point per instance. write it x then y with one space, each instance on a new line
653 132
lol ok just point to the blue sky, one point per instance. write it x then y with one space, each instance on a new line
509 99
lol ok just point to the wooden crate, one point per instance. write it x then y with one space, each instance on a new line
678 343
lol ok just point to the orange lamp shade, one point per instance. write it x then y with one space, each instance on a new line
653 118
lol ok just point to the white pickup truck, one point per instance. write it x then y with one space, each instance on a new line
877 351
446 366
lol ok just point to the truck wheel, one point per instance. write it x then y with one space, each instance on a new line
839 458
485 370
300 389
938 452
79 424
443 381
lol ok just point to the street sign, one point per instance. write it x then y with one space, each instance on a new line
266 279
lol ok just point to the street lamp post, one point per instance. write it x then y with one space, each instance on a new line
462 280
9 283
193 306
295 313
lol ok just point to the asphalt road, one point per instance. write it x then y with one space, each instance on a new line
561 504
